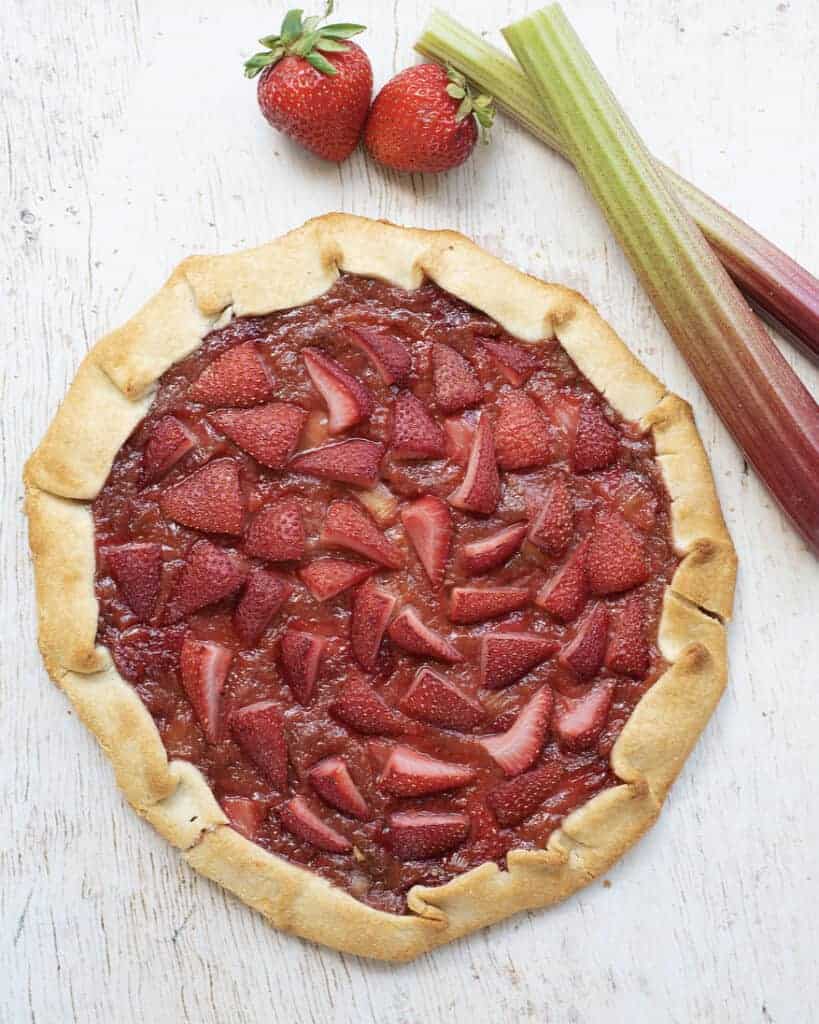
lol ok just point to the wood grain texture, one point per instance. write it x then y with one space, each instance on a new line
132 140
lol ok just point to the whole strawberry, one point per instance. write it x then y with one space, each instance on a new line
320 104
426 119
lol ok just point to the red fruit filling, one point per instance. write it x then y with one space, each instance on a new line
389 578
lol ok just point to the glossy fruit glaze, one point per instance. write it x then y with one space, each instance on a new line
147 653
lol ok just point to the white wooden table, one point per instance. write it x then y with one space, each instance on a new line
131 140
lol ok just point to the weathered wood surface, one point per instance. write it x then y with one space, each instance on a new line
131 140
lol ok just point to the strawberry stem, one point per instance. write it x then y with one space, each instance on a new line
303 37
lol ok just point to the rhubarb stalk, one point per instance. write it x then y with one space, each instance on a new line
760 399
782 290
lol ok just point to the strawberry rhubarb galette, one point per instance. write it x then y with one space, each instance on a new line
391 583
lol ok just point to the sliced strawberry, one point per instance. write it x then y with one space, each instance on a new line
476 604
204 668
517 799
408 631
616 559
507 657
553 526
429 528
565 595
381 503
627 651
419 835
482 555
388 354
354 461
459 435
347 525
137 571
521 436
246 815
436 700
348 401
579 721
584 655
361 707
299 819
301 655
563 411
415 434
329 577
276 533
209 500
408 772
269 433
332 781
170 441
264 595
372 608
259 730
596 441
518 748
516 365
239 377
480 488
455 385
210 575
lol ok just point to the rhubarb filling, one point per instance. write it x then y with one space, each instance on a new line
389 578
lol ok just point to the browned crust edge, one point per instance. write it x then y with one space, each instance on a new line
110 395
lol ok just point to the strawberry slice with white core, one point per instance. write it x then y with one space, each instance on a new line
170 441
301 655
238 377
596 441
584 655
245 815
276 533
408 631
209 500
522 439
372 608
476 604
519 747
332 781
301 821
553 526
210 574
616 559
264 595
429 528
259 730
565 595
516 365
408 773
355 461
137 571
578 722
479 556
436 700
204 668
328 577
459 434
348 401
455 385
388 354
381 503
347 525
480 488
507 657
420 835
627 652
517 799
415 434
361 707
269 433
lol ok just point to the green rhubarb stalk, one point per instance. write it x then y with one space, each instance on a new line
759 398
778 286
